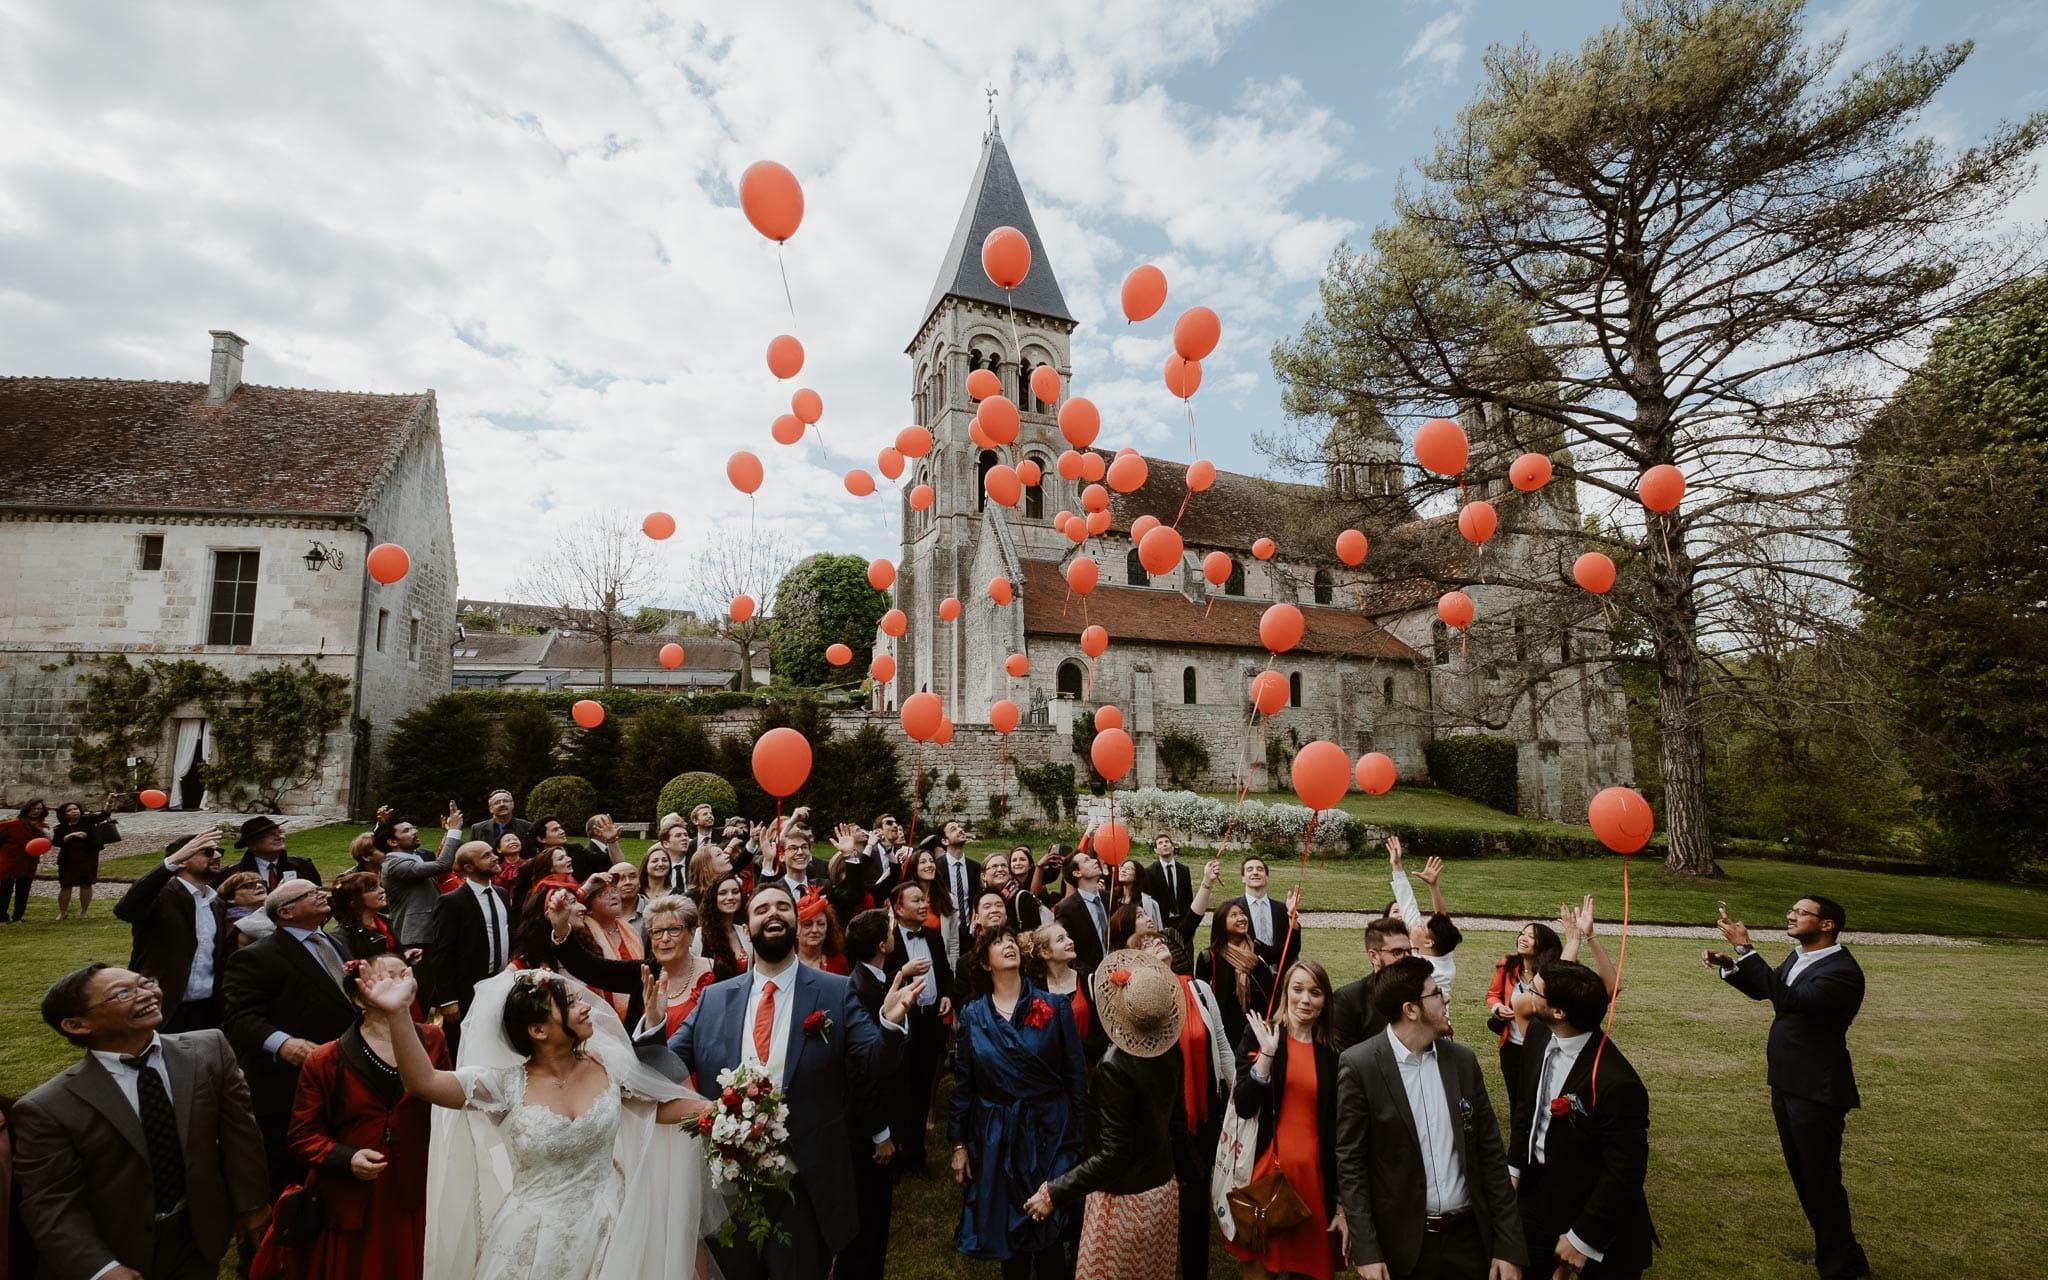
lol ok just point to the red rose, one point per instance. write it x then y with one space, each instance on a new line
731 1098
757 1128
1039 1014
1560 1106
818 1027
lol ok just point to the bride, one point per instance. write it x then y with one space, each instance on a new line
564 1158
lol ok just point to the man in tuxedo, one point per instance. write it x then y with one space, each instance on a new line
1816 994
1084 912
282 999
1270 935
1581 1144
803 1029
142 1159
262 841
962 875
1386 940
920 953
1169 883
492 829
794 844
179 928
412 880
870 941
471 935
1420 1168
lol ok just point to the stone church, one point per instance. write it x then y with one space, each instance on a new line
1375 670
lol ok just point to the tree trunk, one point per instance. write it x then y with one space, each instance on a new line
609 640
746 662
1675 631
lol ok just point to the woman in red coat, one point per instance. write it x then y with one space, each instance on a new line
367 1140
17 865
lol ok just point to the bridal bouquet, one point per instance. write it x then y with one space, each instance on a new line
746 1130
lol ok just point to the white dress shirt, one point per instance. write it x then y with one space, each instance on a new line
778 1038
915 948
199 983
125 1076
1435 1129
1260 909
1553 1071
1806 960
496 926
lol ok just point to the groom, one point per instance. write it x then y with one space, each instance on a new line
806 1030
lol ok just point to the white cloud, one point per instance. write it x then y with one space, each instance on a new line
1436 53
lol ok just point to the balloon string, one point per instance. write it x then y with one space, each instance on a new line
1189 405
783 267
1003 783
1087 688
1207 607
1620 963
1183 508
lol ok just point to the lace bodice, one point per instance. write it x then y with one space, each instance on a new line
566 1187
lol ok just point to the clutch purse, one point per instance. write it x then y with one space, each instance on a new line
300 1214
107 831
1264 1206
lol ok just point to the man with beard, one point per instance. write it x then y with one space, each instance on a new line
805 1030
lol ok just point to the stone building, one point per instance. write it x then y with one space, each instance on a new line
1375 670
221 522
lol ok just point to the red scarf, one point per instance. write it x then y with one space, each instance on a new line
1194 1059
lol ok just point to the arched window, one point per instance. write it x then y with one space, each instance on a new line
1294 689
1034 495
1134 570
1235 587
1440 640
1324 587
981 470
1069 679
1387 691
1187 685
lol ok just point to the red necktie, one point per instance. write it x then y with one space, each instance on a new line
764 1022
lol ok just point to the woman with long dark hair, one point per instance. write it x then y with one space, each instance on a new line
1510 999
1231 965
1287 1078
723 940
78 855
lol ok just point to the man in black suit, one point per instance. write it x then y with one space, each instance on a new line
1420 1168
870 942
1816 993
1084 912
919 951
283 998
1386 940
263 842
1581 1144
1170 884
962 875
1270 934
471 937
179 928
501 805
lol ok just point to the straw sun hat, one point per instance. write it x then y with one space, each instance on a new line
1139 1001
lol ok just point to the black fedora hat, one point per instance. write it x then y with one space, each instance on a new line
254 828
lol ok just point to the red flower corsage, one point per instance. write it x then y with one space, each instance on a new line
1560 1106
818 1027
1038 1015
1120 977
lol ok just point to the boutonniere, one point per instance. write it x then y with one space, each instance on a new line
818 1027
1465 1114
1567 1104
1038 1015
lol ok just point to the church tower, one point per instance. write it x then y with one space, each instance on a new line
953 546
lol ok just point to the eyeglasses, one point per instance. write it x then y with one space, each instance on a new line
1438 994
1802 911
128 995
667 931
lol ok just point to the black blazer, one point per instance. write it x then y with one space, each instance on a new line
1175 899
1073 914
1808 1052
1263 1099
871 1111
1136 1134
1591 1180
163 919
275 984
459 950
1357 1020
303 868
487 830
940 979
1271 952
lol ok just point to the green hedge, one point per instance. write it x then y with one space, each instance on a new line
686 791
567 797
1477 766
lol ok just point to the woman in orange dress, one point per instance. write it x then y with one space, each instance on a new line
672 924
1287 1077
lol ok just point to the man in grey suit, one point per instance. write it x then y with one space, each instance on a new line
412 880
1420 1166
143 1158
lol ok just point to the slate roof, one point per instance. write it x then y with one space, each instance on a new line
155 446
1237 510
996 199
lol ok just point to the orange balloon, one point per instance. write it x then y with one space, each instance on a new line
787 429
1098 522
913 442
1111 753
859 483
1196 333
388 562
1622 819
1095 498
785 356
1183 377
921 715
883 669
1004 488
807 405
1662 487
587 713
949 609
1017 665
1111 843
1127 473
1006 257
1376 773
1079 421
153 799
999 590
771 199
944 733
742 608
1595 572
672 656
1082 575
976 433
1201 475
1322 774
1281 627
1455 608
782 760
1144 293
1351 547
838 654
1530 472
1077 530
921 497
1161 550
1269 692
894 623
890 463
999 418
1002 715
1108 717
1060 519
1477 521
1030 473
1142 526
659 525
881 574
1216 568
1045 383
1440 446
744 470
1094 640
983 383
1263 549
1093 468
1068 464
37 847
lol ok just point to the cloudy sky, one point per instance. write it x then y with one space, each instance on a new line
530 208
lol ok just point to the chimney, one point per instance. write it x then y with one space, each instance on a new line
226 374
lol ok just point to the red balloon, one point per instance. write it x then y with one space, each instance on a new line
944 733
890 463
999 590
672 656
1530 472
37 847
1440 446
1662 487
913 442
1093 468
949 609
807 405
1216 568
1322 774
1082 575
1622 819
1144 293
587 713
659 525
1095 498
1002 715
859 483
1142 526
1127 473
1079 421
153 799
1269 692
978 434
1196 333
983 383
1017 665
881 574
883 669
894 623
1111 753
1376 773
1595 572
1477 521
1108 717
742 608
999 419
921 497
1161 549
782 760
1006 257
1263 549
1077 529
1004 488
1351 547
921 715
744 470
787 429
1455 608
1045 383
771 199
1281 627
1060 519
838 654
1111 842
388 562
1030 473
1068 464
1094 640
1183 377
1098 522
785 356
1201 475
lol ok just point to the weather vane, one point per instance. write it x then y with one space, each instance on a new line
994 127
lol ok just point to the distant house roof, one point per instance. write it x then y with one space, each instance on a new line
700 653
996 199
491 648
559 660
103 443
1159 616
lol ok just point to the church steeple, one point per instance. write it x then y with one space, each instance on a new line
996 199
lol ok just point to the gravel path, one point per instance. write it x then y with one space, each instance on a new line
1498 924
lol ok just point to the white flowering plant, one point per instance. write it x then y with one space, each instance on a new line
746 1131
1203 819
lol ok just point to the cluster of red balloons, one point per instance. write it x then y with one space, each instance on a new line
1322 773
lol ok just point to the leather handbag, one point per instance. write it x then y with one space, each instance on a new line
300 1214
1264 1206
106 831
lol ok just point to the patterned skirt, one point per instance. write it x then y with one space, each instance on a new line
1133 1237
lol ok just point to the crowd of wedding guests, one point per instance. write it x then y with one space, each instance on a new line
1139 1071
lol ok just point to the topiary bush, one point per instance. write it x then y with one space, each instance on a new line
567 797
686 791
1479 767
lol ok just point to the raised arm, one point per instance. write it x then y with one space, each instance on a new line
391 999
1431 873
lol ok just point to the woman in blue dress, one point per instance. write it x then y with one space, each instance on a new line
1018 1084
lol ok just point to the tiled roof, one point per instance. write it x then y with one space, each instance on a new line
1168 617
491 648
1237 510
105 443
710 653
996 199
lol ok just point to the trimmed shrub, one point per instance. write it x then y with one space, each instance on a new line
1479 767
1185 757
567 797
686 791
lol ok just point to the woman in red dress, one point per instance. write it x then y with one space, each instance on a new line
366 1139
672 924
1287 1077
1050 964
820 943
